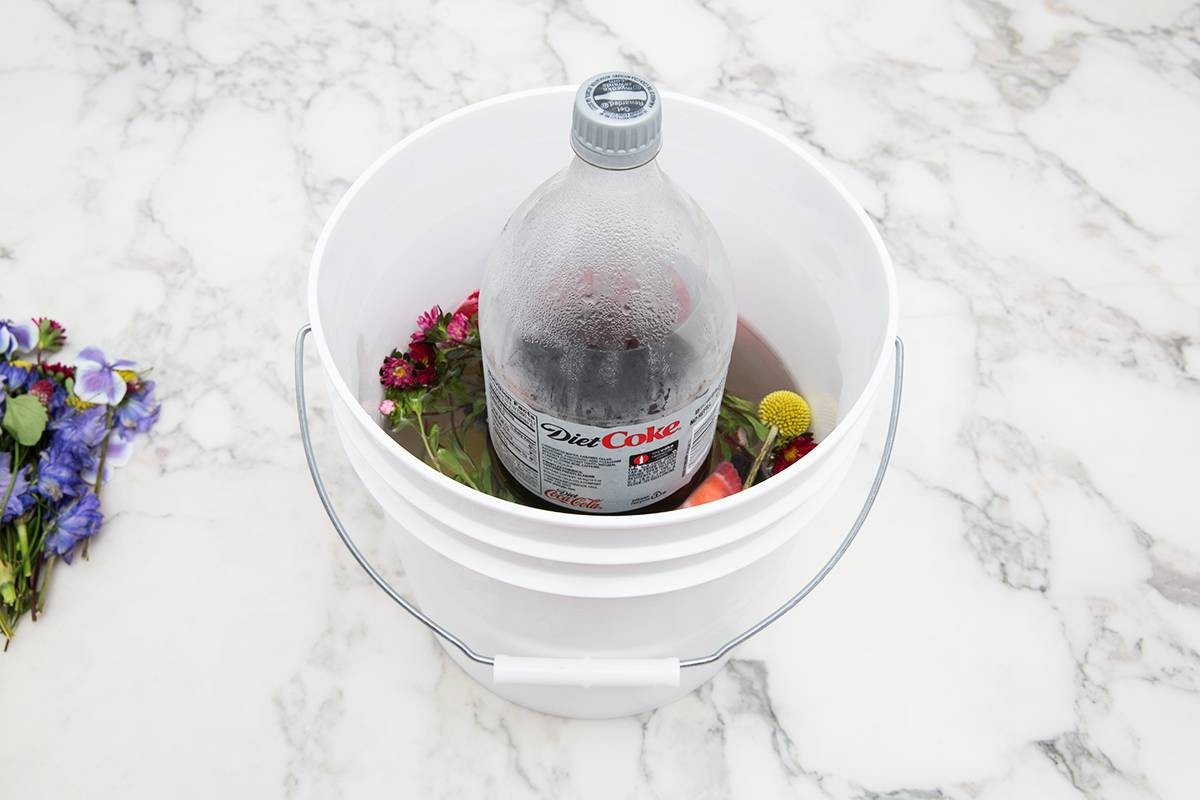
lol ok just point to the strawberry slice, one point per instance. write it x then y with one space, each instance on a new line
723 482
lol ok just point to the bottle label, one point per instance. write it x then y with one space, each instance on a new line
602 469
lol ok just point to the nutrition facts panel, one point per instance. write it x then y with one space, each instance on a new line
514 425
704 423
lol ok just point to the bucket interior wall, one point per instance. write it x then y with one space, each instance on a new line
418 228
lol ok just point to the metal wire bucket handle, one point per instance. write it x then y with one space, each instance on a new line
591 672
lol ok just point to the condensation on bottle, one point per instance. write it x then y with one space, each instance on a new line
607 318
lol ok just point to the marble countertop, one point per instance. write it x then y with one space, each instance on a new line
1021 617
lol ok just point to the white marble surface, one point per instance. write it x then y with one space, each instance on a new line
1021 619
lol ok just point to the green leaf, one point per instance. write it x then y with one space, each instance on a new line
759 430
8 592
452 460
25 419
485 470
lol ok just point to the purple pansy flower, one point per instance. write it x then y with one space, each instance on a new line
16 336
15 488
96 379
118 454
76 522
139 412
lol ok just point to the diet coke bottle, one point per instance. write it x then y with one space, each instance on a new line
607 318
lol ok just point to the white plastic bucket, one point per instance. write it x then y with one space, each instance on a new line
602 606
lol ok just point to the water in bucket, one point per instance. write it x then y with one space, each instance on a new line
607 319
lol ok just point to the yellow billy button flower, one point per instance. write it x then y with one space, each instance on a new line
786 414
787 411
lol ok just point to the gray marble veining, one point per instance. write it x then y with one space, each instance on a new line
1020 619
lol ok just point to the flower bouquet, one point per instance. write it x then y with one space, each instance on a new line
63 428
435 388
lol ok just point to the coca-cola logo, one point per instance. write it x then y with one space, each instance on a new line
573 500
614 440
619 439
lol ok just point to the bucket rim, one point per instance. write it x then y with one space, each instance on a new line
602 522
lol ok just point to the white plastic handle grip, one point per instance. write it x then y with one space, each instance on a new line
586 672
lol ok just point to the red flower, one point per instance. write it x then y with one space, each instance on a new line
459 327
59 370
422 355
792 452
424 377
469 307
43 390
396 372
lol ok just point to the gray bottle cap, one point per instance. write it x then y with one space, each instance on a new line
617 121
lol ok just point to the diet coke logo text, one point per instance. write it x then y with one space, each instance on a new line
615 440
573 500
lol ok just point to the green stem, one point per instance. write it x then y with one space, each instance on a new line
33 591
454 409
50 562
108 418
23 547
433 462
762 453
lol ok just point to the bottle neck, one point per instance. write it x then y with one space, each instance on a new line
649 168
641 175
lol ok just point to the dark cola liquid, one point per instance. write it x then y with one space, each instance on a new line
603 387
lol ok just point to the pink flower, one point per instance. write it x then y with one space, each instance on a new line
429 319
458 328
387 407
396 372
43 390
